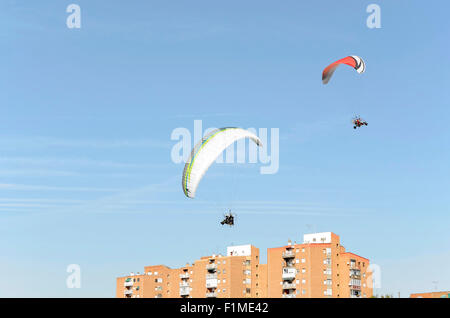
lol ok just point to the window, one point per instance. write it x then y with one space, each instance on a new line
303 250
223 271
303 281
303 291
303 260
303 270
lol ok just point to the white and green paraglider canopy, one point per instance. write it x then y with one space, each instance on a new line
206 152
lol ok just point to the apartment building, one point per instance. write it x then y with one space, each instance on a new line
237 274
441 294
318 267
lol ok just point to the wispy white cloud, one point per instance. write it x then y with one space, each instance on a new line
25 187
126 200
38 173
53 161
44 142
40 200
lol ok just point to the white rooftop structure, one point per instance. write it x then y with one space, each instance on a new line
324 237
239 250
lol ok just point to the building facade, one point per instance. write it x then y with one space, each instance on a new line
318 267
441 294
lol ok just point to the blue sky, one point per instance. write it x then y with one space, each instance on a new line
86 175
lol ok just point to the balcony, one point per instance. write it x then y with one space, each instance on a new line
211 266
184 291
128 284
289 286
289 273
128 292
288 296
288 254
354 287
183 276
184 284
211 283
211 295
211 276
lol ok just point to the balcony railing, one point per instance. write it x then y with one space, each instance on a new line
211 283
288 296
211 276
128 284
211 266
184 291
184 284
288 254
211 295
354 287
186 275
289 273
289 286
128 292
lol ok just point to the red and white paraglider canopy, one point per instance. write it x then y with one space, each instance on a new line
354 61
